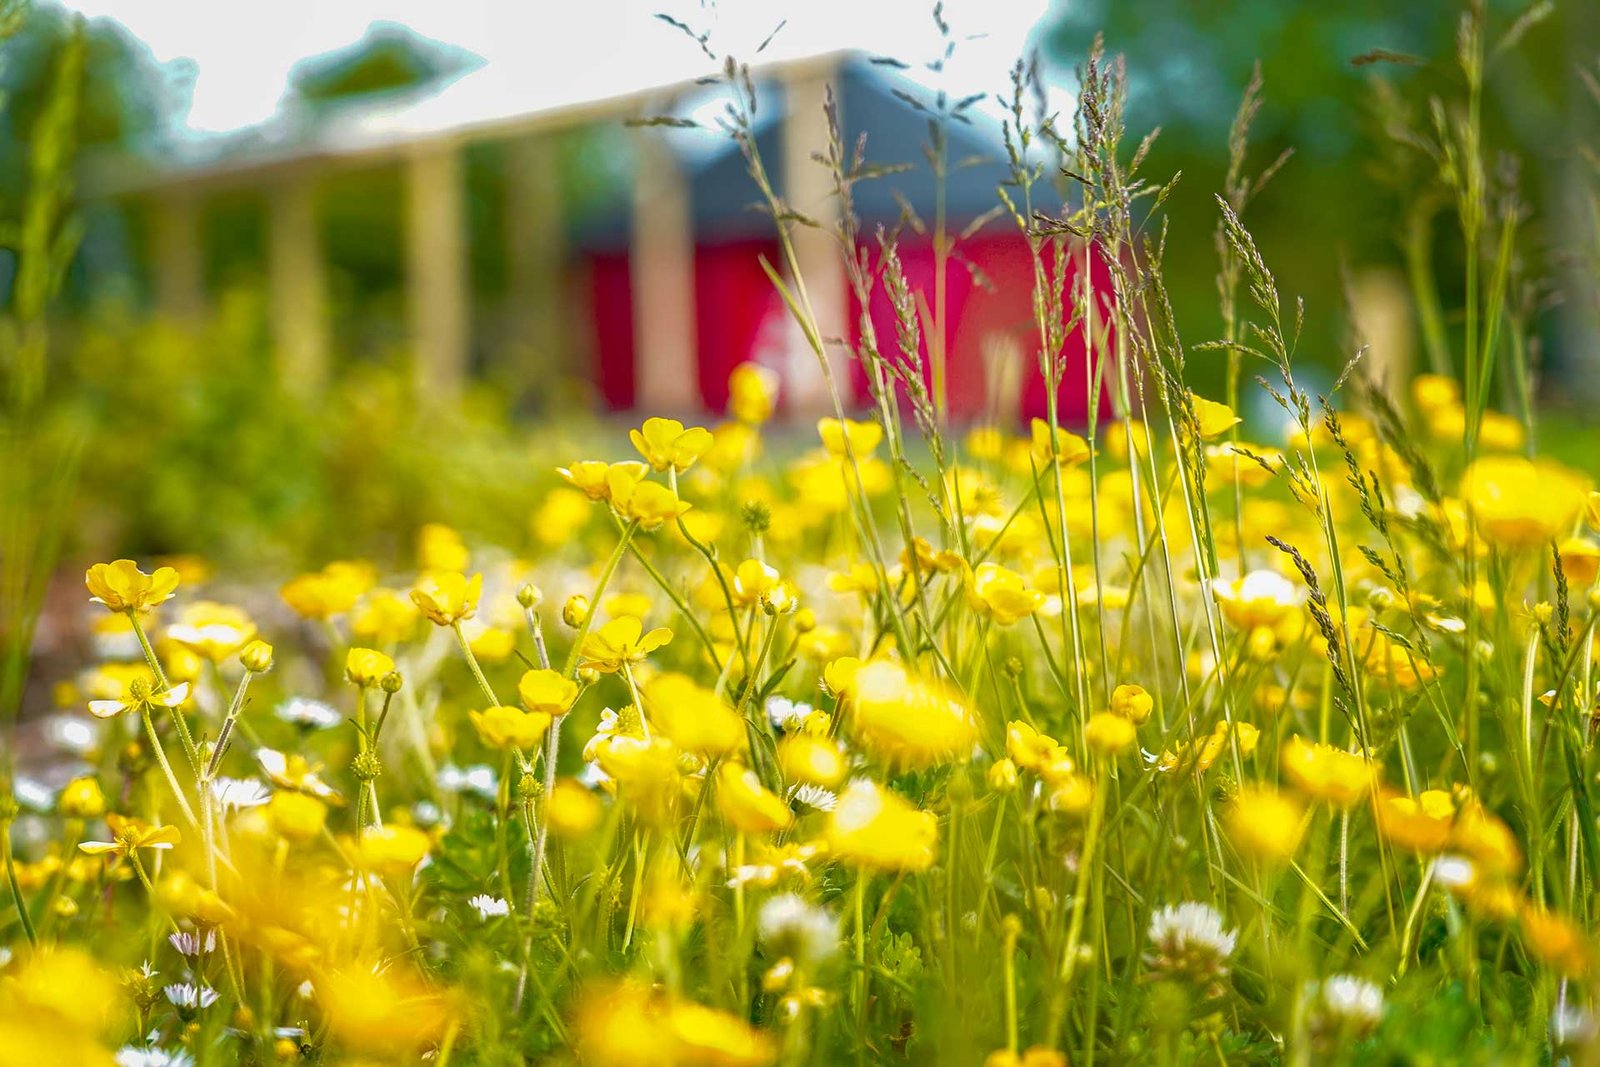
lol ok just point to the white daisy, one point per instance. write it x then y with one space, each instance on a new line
193 943
187 995
478 779
312 714
236 794
814 797
489 907
134 1056
792 926
1352 1000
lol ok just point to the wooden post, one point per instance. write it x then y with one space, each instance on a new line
297 284
535 256
808 188
438 283
662 269
179 257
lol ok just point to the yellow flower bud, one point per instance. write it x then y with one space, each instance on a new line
256 657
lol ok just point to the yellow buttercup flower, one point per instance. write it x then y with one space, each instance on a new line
1109 733
997 593
82 798
589 476
811 759
1523 504
366 667
449 597
650 504
385 617
693 717
1260 599
331 591
862 437
297 816
440 548
753 580
1063 447
1132 703
752 393
1266 824
666 445
1327 773
547 691
129 834
746 804
618 642
573 810
140 693
908 721
872 827
502 727
1030 749
122 586
1434 391
1214 419
630 1025
386 1011
1422 824
215 631
394 849
1557 941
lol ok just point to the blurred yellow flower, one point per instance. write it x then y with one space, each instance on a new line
1422 824
572 810
872 827
863 437
1260 599
394 849
1109 733
385 1010
746 804
693 717
1523 504
997 593
331 591
1266 824
122 586
385 617
908 721
296 816
752 393
810 759
1328 773
503 727
1063 447
215 631
440 548
82 798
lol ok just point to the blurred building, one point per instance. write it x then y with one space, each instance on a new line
651 294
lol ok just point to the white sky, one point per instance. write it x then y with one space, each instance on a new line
242 52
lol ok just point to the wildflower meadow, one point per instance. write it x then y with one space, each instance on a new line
890 737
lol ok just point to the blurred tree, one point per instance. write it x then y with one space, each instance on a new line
126 95
388 58
1190 60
